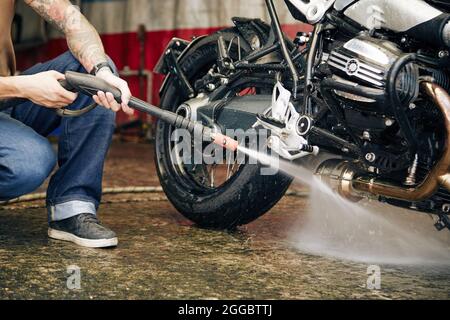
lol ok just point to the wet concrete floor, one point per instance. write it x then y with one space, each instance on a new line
163 256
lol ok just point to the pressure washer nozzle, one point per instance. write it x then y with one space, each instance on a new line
224 141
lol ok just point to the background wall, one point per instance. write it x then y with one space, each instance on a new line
118 21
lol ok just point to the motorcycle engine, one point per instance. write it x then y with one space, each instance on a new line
371 63
367 61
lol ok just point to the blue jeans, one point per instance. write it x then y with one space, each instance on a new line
27 158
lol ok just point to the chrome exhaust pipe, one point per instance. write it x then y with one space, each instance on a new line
339 175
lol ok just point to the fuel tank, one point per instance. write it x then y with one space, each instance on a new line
414 17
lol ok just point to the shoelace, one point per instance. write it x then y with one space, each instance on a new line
87 218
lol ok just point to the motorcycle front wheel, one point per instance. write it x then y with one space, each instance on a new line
232 196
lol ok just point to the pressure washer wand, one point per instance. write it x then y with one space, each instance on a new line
184 123
90 85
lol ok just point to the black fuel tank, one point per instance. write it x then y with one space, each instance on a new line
443 5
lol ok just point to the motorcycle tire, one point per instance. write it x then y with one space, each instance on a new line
247 195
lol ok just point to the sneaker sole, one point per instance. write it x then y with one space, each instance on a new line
89 243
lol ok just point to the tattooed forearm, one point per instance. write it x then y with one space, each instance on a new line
87 47
82 38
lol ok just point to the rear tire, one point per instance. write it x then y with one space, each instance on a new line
243 198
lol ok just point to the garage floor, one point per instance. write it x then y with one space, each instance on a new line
163 256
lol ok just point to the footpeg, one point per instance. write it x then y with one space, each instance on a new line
287 126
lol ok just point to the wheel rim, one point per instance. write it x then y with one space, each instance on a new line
209 176
204 179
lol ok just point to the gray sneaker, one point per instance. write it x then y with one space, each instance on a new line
84 230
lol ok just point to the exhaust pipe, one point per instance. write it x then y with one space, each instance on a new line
339 175
439 175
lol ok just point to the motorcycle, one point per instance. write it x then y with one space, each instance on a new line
362 100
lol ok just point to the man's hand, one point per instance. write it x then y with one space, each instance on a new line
44 89
107 99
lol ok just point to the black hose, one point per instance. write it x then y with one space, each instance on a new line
397 105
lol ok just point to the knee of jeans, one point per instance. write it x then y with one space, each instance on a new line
102 116
71 63
28 167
